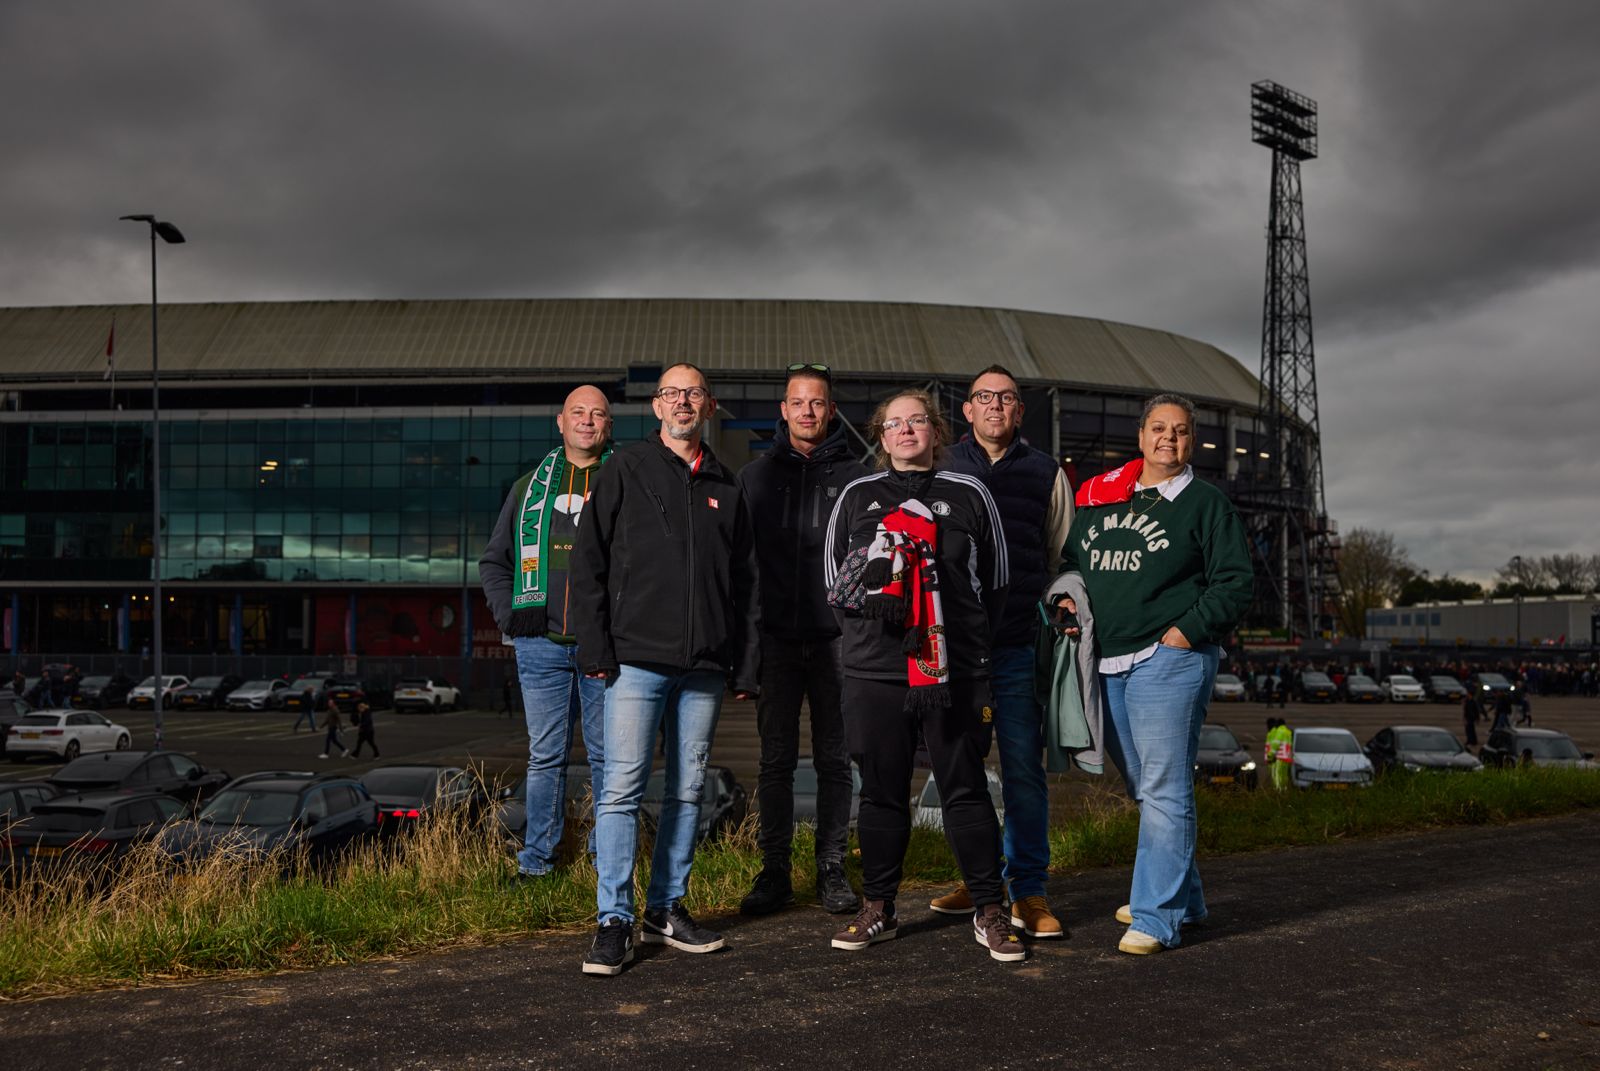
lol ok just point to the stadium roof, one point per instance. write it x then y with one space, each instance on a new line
545 337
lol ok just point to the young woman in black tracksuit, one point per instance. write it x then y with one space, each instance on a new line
882 716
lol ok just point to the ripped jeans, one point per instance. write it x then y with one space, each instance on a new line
641 702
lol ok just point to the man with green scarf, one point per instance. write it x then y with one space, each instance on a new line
524 573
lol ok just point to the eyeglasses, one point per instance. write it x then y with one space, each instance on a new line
694 394
1008 398
820 369
894 424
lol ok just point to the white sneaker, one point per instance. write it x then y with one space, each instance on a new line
1138 943
323 755
1125 915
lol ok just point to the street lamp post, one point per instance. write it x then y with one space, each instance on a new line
170 234
1517 558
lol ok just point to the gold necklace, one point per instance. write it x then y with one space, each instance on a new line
1159 498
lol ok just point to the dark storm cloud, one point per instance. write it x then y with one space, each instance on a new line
1074 157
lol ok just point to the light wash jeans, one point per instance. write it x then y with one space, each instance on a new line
1019 737
555 693
1157 708
640 701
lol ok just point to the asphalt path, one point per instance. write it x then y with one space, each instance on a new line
1466 948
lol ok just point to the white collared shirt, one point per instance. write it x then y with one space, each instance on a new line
1169 489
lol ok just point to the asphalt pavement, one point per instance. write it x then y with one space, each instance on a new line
1465 948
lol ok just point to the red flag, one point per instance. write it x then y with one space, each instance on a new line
111 351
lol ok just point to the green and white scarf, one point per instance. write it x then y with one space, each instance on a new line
533 529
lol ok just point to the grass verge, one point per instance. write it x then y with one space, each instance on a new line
453 885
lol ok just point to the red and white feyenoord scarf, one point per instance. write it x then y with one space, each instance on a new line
1112 487
902 580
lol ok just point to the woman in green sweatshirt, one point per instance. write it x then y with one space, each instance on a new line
1167 570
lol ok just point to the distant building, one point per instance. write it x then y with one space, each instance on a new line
1540 621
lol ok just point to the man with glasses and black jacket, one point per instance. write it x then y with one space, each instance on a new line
664 597
791 490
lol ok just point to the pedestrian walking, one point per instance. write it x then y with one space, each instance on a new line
1502 713
364 729
331 721
308 712
528 581
791 490
1471 714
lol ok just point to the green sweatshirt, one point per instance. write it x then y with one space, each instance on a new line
1150 564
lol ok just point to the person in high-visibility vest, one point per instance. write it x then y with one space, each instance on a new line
1279 752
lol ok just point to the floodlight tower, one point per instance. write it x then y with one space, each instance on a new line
1295 540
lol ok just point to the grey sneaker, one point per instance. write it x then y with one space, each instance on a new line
991 927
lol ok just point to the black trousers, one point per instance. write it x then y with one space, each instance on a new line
883 741
794 670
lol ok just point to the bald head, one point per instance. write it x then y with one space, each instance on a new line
585 425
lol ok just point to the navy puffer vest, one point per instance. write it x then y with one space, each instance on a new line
1020 484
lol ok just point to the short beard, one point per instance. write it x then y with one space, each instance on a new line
683 435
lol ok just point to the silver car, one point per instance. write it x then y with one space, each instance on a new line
1330 759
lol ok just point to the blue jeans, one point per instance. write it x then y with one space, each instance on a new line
1019 737
640 700
1157 708
554 693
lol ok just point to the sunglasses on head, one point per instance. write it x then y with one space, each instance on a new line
820 369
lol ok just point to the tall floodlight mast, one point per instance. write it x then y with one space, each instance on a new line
1293 538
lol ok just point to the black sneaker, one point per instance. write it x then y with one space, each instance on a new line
612 949
873 923
772 891
833 889
674 926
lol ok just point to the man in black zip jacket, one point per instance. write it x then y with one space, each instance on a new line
664 596
791 490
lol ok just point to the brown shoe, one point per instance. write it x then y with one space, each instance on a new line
1033 916
992 929
869 927
955 903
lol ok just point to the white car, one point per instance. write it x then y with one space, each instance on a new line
1401 688
928 812
144 693
65 734
1329 758
1228 688
256 695
426 693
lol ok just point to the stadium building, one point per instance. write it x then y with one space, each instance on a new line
330 469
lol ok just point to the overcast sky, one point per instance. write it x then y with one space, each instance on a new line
1092 159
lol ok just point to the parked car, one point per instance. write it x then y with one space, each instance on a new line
926 810
1359 688
1328 758
1444 689
1316 687
426 694
1403 688
512 813
1221 760
723 802
1418 747
258 695
292 809
103 691
143 694
171 773
17 798
1548 747
1491 685
206 693
66 734
13 708
308 689
805 792
1227 688
407 794
348 691
92 829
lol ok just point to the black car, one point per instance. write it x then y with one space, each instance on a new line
1444 689
1546 747
348 691
170 773
13 708
1418 747
1221 760
407 794
103 692
1359 688
1491 685
91 829
289 810
17 798
1316 687
308 689
206 693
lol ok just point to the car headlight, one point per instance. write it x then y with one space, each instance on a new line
1247 767
1487 688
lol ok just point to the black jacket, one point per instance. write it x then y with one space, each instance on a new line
791 496
664 569
973 571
